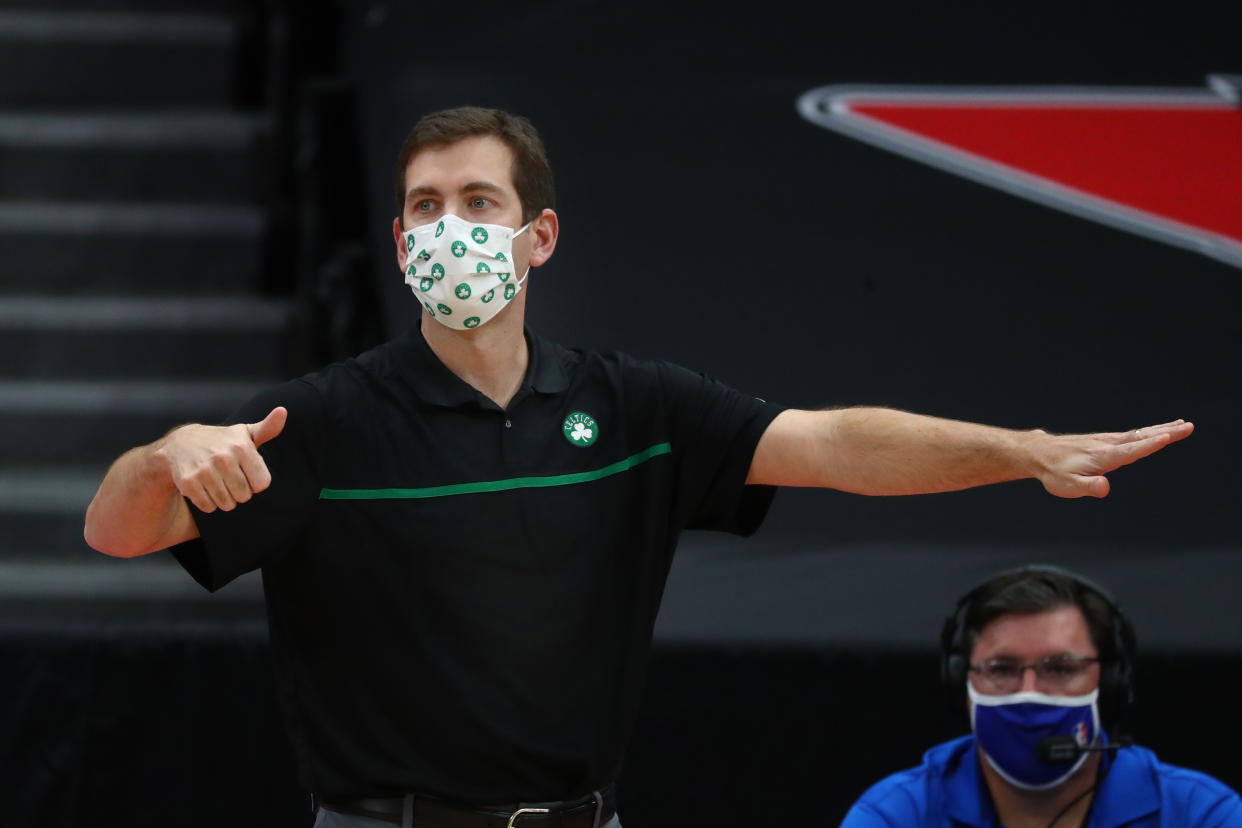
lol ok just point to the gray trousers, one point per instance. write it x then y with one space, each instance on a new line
325 818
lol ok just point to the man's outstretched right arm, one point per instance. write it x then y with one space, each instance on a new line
141 504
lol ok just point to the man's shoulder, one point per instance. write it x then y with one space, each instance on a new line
609 362
906 798
373 368
1186 797
1188 788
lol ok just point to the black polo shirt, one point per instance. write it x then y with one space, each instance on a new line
460 597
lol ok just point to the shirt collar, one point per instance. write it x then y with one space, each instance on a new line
436 384
1127 792
966 797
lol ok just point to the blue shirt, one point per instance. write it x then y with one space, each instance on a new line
1139 791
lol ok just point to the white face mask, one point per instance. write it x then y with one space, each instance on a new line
462 272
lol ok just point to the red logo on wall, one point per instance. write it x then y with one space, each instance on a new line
1164 163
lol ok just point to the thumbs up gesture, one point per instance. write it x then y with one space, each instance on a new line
217 467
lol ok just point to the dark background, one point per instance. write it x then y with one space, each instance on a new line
705 222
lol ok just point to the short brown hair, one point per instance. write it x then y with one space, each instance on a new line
1036 590
532 176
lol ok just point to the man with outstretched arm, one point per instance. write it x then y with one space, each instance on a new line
464 533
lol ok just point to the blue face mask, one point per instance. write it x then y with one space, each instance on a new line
1008 729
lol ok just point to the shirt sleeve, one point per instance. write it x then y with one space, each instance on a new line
272 523
715 430
1215 807
862 816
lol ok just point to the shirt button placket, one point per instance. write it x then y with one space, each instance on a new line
506 448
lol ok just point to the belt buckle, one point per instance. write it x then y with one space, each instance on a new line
513 817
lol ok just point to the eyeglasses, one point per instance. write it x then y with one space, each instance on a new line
1003 675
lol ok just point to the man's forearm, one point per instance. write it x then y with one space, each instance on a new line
141 505
881 451
136 507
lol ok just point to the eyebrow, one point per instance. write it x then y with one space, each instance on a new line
486 186
473 186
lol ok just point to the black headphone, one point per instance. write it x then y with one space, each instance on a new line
1116 673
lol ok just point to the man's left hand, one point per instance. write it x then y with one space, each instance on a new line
1074 465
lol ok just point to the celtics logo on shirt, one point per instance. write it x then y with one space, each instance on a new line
489 296
500 257
479 235
471 322
409 243
444 309
580 429
437 270
459 249
425 284
410 271
423 256
510 290
462 291
482 268
439 229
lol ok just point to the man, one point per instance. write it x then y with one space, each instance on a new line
464 533
1040 658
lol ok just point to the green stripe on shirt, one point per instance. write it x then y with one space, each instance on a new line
499 485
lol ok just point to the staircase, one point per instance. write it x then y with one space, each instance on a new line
136 232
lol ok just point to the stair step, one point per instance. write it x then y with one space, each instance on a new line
130 6
130 248
87 423
173 155
132 338
150 585
93 58
42 510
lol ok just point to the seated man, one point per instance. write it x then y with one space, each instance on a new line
1039 658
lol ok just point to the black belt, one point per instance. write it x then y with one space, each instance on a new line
591 811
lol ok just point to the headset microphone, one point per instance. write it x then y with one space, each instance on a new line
1063 750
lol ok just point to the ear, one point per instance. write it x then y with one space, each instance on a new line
544 231
398 239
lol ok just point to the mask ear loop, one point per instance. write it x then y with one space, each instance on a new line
525 227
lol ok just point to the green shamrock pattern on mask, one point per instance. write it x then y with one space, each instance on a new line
466 291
